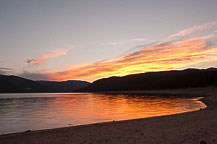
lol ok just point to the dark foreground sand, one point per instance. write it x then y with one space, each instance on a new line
188 128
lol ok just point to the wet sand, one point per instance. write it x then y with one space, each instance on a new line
187 128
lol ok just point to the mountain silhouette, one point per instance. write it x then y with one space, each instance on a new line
187 78
15 84
64 86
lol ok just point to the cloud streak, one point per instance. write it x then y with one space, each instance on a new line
172 54
41 59
117 43
162 56
193 29
5 70
139 39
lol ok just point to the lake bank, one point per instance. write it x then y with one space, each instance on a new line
190 127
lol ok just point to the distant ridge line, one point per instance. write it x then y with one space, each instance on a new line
15 84
188 78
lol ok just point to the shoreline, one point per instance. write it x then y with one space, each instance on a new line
188 127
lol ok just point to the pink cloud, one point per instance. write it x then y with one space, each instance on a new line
158 56
41 59
162 56
138 39
193 29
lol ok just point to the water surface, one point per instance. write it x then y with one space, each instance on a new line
21 112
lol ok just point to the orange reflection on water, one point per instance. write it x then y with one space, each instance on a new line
92 108
20 112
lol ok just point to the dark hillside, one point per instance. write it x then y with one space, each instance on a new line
157 80
64 86
15 84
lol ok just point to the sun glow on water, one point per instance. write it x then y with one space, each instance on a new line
21 112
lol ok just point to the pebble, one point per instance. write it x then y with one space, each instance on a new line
202 142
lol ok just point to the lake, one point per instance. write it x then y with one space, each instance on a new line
22 112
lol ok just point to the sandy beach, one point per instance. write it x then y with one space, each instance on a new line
199 127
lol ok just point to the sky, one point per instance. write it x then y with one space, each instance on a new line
92 39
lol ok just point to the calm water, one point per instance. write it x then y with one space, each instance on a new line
21 112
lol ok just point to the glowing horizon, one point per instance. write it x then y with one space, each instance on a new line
164 55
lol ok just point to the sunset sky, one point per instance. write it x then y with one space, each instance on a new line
91 39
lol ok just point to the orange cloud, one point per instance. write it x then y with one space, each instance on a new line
164 56
194 28
41 59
